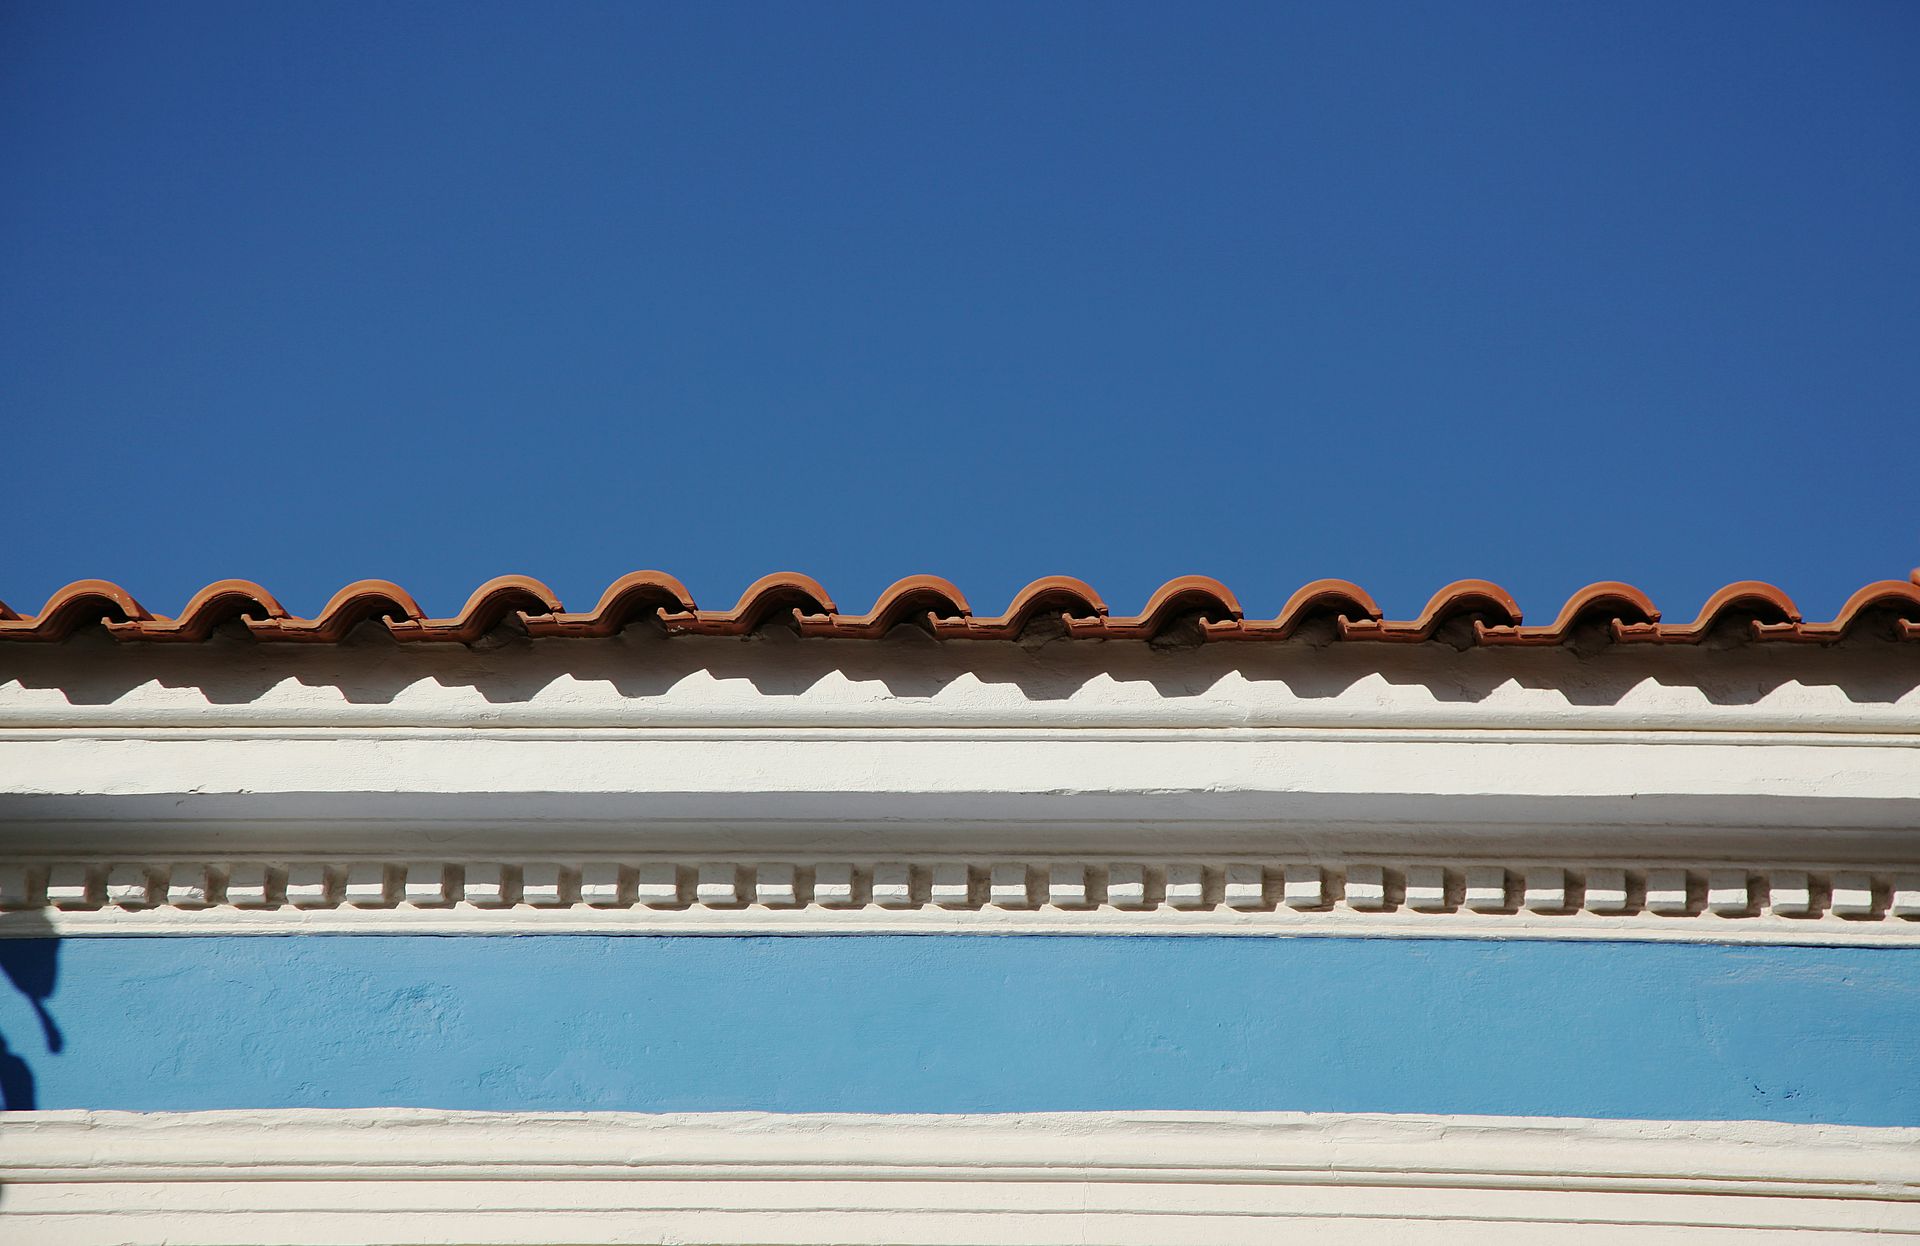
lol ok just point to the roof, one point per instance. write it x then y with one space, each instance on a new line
1470 612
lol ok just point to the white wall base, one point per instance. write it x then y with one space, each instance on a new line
353 1178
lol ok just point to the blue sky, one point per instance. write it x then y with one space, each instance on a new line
1402 293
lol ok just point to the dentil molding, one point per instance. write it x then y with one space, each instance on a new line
777 784
1661 900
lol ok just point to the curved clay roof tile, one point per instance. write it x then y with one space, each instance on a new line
903 601
939 605
1901 596
488 608
1608 600
1341 599
1188 595
1744 596
636 595
764 598
217 603
76 605
349 608
1055 594
1462 597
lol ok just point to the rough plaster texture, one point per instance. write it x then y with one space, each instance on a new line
959 1024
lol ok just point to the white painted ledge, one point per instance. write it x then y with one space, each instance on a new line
399 1176
372 789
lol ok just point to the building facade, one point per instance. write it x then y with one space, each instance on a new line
780 924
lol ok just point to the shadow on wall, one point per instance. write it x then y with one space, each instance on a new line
32 967
370 668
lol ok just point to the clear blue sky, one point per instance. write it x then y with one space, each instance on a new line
1544 293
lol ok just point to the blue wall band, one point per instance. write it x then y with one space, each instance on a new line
965 1024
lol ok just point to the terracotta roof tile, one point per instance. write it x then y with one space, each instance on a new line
1748 609
916 599
1609 602
1055 596
1188 596
1763 604
1898 597
213 605
782 593
632 598
1462 599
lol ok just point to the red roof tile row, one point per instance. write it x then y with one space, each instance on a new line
1473 610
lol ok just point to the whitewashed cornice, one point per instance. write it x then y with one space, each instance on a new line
399 1176
779 752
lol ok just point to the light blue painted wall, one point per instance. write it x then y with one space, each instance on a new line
955 1024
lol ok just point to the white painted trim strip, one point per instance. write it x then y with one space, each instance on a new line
347 1178
1473 899
1881 767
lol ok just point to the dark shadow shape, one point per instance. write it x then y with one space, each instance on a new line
16 1082
641 663
30 959
32 964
